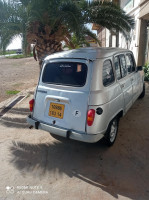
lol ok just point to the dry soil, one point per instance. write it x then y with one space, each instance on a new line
17 74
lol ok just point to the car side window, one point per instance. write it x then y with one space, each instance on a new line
130 63
123 65
117 67
107 73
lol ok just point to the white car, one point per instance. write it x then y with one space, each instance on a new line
83 93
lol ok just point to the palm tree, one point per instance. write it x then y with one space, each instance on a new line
5 35
13 22
77 42
49 23
108 15
52 22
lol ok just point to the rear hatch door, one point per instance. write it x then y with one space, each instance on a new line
62 94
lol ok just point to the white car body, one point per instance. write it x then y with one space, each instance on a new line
108 99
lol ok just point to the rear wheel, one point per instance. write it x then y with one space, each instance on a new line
111 133
143 92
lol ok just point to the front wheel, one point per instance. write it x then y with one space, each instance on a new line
111 133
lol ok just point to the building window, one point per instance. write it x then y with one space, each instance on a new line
127 5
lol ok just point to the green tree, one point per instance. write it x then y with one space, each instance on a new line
48 23
13 22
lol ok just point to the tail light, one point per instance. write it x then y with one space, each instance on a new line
31 104
90 117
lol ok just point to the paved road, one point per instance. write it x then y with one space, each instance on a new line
36 166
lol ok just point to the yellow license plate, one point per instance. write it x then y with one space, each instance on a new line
56 110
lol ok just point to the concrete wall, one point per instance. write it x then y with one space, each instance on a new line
138 40
138 37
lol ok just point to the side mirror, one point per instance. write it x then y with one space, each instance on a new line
139 68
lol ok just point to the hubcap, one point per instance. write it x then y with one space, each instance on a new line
113 131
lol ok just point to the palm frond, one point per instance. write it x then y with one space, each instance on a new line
108 15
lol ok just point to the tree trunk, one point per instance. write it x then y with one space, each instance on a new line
28 49
46 48
24 43
46 40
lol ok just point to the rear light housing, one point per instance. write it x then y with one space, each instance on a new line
31 104
90 117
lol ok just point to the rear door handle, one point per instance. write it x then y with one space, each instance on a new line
57 99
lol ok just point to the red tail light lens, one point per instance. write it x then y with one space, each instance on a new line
90 117
31 104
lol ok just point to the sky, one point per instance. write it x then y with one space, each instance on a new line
15 44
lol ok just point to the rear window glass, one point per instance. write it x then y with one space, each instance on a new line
65 73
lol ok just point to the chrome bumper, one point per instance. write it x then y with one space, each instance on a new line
70 134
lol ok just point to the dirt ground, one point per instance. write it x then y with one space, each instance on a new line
35 166
17 74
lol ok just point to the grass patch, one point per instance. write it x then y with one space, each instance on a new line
16 56
7 53
19 56
12 92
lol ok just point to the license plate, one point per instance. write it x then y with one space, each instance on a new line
56 110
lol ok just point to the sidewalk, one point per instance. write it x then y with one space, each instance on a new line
14 110
26 93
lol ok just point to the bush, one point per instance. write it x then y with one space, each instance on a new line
146 71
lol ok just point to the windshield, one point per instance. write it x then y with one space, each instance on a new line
65 73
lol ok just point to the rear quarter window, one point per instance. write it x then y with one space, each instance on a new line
107 73
65 73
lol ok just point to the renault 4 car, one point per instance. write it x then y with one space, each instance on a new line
83 93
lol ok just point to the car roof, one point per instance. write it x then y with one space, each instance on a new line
90 53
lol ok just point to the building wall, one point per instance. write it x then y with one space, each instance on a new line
138 40
101 34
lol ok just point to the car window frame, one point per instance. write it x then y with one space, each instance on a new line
112 70
121 66
118 55
60 84
129 53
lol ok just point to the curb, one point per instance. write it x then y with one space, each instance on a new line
24 93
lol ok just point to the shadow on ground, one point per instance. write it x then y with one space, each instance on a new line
9 120
120 170
108 169
20 111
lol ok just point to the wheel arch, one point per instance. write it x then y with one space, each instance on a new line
119 115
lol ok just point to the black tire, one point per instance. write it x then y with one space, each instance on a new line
111 133
143 92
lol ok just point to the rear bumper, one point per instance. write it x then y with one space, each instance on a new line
70 134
